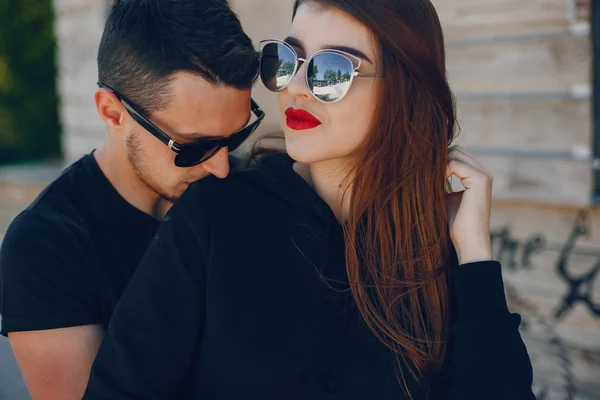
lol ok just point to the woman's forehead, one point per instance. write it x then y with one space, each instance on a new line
317 27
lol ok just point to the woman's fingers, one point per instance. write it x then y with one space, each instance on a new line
469 175
465 160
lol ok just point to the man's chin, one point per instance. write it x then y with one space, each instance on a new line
174 195
170 198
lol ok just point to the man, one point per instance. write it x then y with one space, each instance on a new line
174 92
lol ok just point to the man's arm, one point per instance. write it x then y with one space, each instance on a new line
56 363
49 306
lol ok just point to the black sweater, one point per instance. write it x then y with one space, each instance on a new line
229 303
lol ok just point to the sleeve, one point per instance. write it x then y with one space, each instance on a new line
487 358
44 279
152 335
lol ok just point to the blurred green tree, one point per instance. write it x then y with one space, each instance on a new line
29 122
329 75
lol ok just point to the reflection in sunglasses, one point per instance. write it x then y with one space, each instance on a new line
332 92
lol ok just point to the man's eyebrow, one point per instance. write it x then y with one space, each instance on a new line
294 42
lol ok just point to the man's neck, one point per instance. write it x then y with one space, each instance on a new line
123 177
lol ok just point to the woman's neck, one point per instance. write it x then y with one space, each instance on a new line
330 180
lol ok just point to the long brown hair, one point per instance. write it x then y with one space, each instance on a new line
398 247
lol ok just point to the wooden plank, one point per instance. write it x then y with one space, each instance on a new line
552 124
561 371
547 64
584 9
543 181
555 223
535 286
556 360
577 325
468 18
541 277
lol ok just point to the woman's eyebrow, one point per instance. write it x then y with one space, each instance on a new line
294 42
350 50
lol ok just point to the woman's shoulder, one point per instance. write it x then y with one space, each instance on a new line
264 180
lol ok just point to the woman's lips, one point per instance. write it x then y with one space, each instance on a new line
299 119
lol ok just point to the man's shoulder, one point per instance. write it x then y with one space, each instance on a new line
65 189
54 216
244 185
42 236
269 168
246 191
44 221
44 270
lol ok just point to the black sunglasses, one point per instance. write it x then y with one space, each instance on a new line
190 154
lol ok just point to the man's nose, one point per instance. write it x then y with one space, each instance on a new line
218 165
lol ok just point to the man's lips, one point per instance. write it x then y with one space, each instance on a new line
299 119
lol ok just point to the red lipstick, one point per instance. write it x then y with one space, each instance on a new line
300 119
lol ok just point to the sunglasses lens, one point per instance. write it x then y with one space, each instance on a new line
329 76
237 139
277 65
196 154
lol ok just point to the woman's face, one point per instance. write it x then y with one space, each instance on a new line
343 125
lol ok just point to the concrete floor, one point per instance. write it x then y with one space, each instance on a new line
12 386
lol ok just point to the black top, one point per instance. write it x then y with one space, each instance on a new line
229 303
67 258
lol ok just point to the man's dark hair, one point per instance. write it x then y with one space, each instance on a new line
146 41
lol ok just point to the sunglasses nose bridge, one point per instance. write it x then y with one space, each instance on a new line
298 84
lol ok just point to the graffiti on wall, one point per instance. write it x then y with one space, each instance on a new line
577 289
517 254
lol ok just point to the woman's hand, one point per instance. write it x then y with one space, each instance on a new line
469 210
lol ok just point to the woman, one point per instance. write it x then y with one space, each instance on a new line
335 275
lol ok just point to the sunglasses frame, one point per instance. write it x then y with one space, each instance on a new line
300 61
179 148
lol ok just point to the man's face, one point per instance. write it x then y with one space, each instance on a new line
196 110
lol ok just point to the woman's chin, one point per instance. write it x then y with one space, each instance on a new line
302 153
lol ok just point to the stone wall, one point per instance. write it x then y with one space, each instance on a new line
79 25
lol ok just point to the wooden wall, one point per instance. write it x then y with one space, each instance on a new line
522 74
